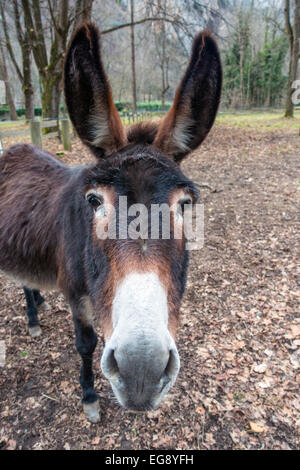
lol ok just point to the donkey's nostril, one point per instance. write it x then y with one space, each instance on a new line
109 364
173 365
171 370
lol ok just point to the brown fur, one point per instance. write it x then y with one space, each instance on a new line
47 225
30 186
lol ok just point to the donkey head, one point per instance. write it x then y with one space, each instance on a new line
136 283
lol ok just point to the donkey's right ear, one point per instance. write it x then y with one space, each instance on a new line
88 94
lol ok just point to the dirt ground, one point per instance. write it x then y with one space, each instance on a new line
239 338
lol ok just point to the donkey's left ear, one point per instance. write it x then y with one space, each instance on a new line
88 94
196 102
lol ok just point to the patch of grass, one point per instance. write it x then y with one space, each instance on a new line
10 125
239 396
24 353
264 120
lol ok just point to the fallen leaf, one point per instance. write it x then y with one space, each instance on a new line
200 410
266 383
11 445
257 428
260 368
96 441
295 329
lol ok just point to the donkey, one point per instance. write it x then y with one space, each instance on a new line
51 214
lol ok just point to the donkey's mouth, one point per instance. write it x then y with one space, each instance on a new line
142 388
133 405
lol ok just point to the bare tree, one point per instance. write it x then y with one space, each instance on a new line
5 78
160 37
83 11
24 73
293 33
214 16
51 69
133 70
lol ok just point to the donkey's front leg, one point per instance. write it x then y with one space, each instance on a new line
86 341
40 301
32 313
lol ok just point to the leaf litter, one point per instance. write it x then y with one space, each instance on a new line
239 338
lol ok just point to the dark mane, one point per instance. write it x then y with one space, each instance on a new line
142 132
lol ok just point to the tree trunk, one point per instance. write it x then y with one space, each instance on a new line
289 107
293 33
10 102
4 73
87 6
164 64
134 99
27 79
269 88
51 93
51 70
29 104
83 11
241 65
161 49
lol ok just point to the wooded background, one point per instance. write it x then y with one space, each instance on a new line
146 46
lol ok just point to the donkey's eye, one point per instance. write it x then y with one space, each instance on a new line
95 201
185 202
